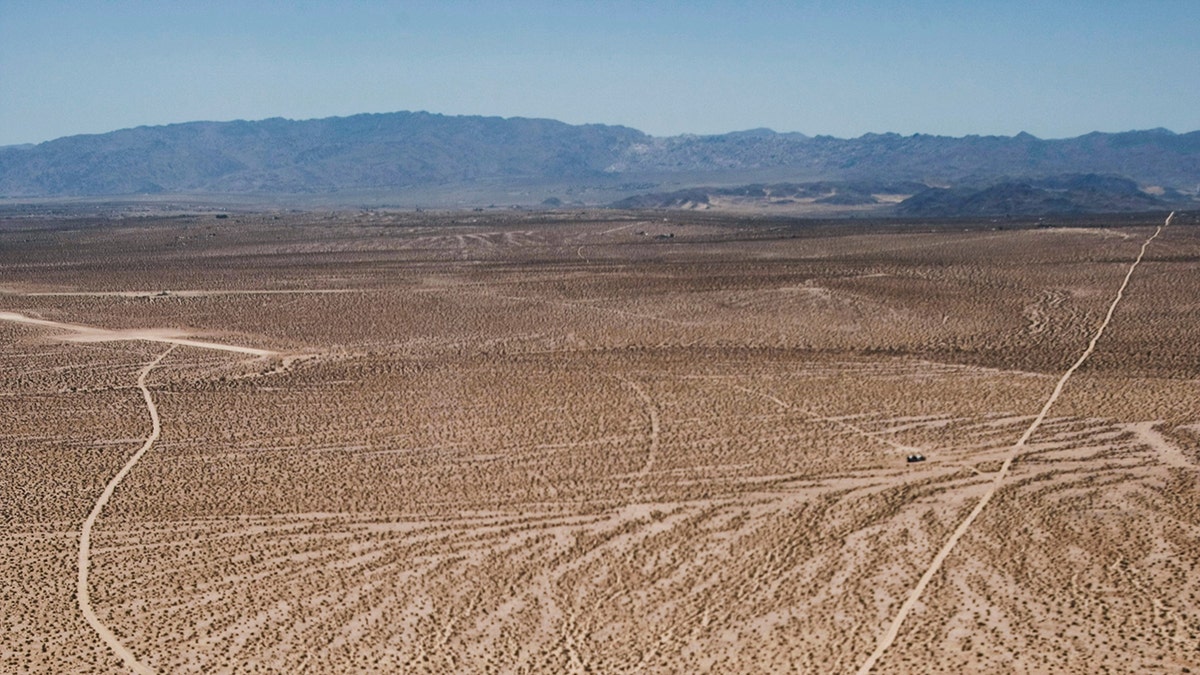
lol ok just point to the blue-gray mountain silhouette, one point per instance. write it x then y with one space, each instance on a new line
395 151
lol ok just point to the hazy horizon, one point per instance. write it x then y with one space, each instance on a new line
837 69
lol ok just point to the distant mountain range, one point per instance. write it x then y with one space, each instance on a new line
390 151
395 152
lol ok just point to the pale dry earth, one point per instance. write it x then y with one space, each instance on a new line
560 443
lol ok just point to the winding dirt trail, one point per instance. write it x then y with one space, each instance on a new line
85 535
893 630
81 333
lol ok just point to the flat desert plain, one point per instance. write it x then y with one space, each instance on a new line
598 442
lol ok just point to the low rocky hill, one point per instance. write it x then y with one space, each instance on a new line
1087 193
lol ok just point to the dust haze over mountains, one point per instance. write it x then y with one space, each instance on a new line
411 155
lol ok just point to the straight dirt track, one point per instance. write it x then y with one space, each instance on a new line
92 334
893 630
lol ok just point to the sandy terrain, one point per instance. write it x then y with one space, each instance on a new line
454 443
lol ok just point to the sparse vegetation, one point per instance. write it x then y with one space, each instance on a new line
560 443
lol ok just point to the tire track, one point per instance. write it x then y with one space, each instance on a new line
82 594
652 452
841 422
893 630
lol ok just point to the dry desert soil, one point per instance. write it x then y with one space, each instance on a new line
598 442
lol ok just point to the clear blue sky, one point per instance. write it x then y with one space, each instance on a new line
844 68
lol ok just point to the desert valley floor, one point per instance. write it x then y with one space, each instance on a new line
598 442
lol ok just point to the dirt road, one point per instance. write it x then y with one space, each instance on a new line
893 630
82 594
93 334
177 294
80 333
